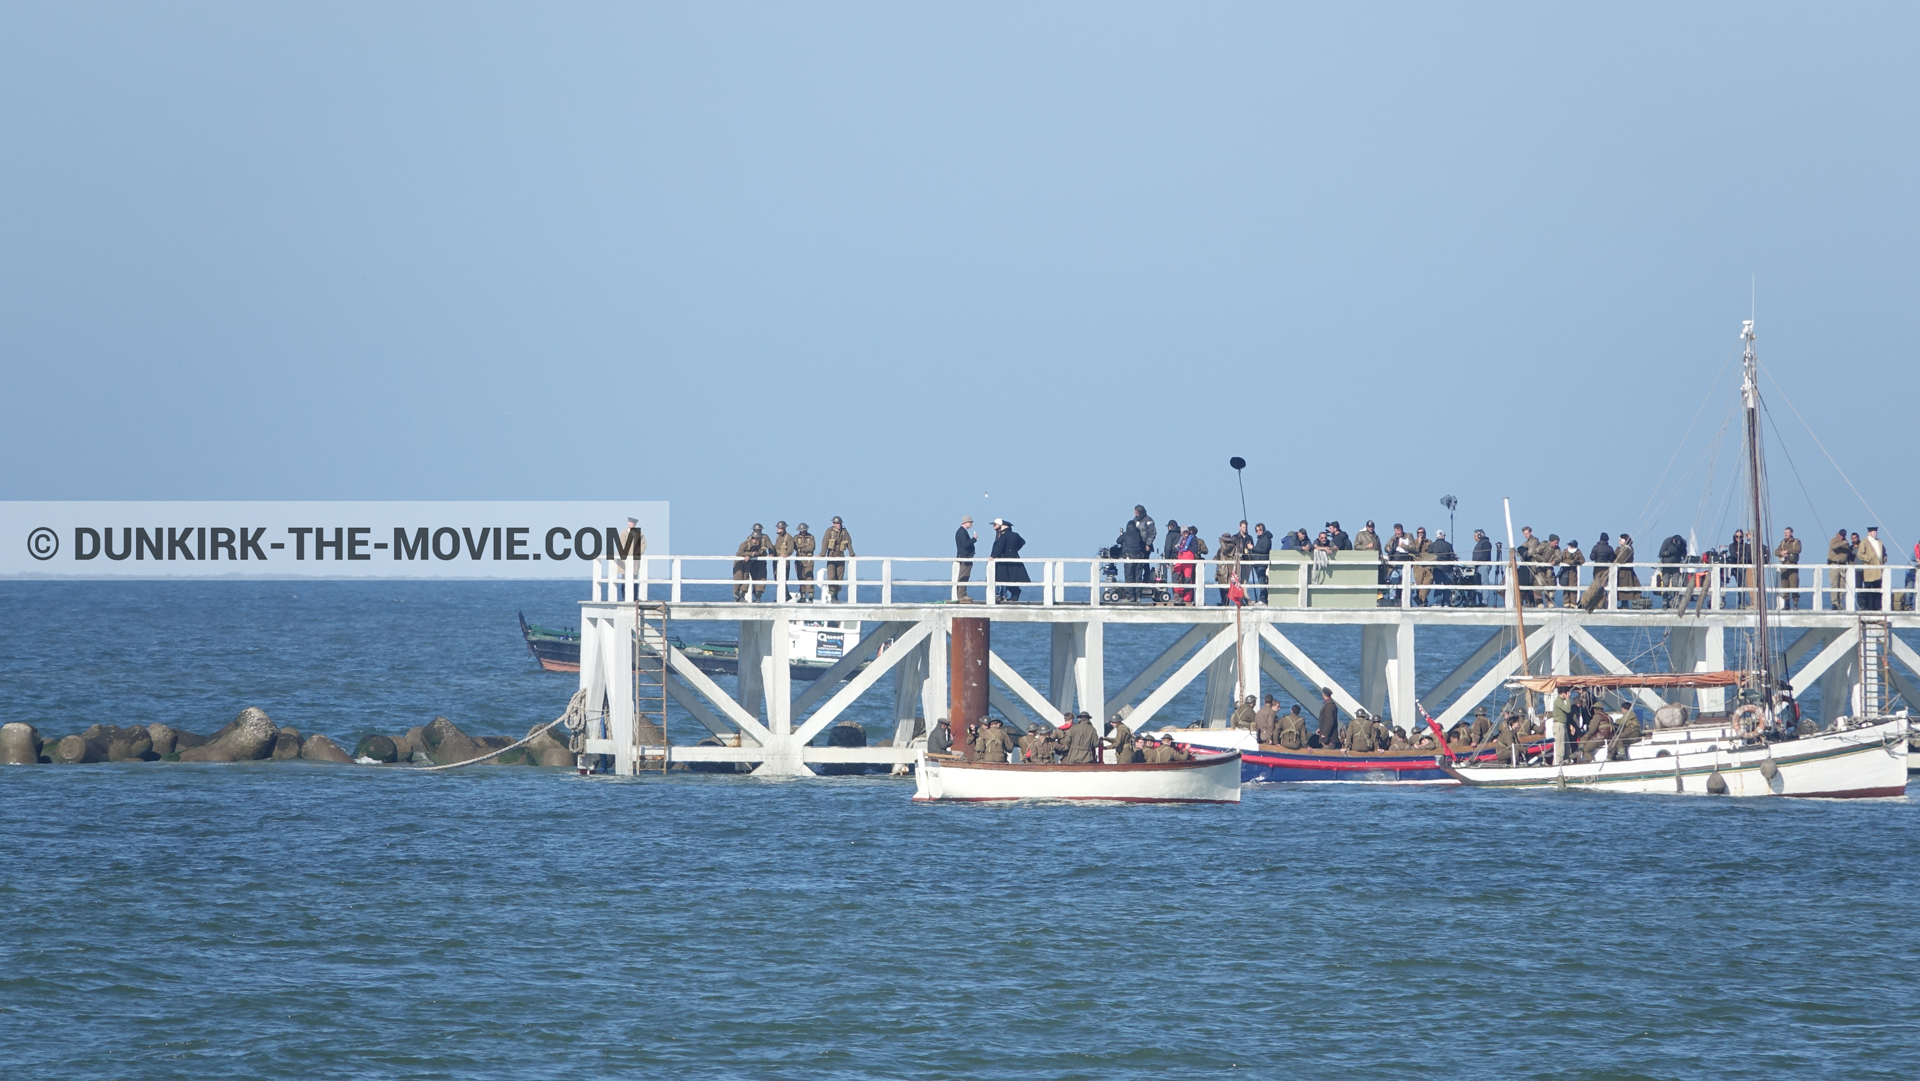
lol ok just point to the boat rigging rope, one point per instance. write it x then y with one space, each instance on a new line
575 717
1823 447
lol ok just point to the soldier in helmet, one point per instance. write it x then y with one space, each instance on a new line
1120 738
1244 714
1359 735
803 543
783 546
995 741
1481 725
1293 728
1083 742
837 544
750 564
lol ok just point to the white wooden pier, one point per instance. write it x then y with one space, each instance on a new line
906 610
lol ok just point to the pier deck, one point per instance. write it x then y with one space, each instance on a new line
906 622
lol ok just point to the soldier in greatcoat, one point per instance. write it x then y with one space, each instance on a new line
1787 553
783 547
836 545
1293 729
750 564
1244 714
1120 738
1083 742
803 545
1839 554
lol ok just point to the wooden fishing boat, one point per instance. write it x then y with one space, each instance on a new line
556 650
949 778
1866 760
1265 763
1757 750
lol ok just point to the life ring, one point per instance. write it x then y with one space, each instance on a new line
1751 717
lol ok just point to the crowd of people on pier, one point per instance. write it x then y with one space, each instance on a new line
1151 564
1546 571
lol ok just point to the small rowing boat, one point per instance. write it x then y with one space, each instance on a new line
949 778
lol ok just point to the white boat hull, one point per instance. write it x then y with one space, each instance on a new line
1214 779
1859 762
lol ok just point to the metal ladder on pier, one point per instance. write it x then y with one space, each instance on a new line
1876 641
650 667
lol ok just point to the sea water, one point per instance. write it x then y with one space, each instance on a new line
301 921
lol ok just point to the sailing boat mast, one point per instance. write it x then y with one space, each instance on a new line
1757 540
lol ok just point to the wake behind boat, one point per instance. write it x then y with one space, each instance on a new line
1212 779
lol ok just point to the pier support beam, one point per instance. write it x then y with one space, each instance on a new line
1068 648
1078 676
967 669
933 690
909 677
1387 674
1217 706
1701 649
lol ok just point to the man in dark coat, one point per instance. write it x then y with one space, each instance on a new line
1148 530
1007 545
1256 565
964 539
940 740
1600 557
1133 546
1328 734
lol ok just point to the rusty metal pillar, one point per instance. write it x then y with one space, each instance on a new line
967 680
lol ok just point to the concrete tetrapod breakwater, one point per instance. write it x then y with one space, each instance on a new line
253 737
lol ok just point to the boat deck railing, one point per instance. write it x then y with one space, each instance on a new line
1290 579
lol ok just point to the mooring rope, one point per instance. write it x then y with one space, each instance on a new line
576 712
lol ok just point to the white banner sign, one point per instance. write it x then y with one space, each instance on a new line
320 539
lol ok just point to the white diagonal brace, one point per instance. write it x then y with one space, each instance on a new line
1903 653
1807 643
1288 682
1297 657
998 699
1613 665
1222 641
1159 666
690 702
1836 650
1024 691
1488 650
1498 674
848 661
857 686
711 691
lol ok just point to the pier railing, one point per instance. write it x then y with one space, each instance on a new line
1288 580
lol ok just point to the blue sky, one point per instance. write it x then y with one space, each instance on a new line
901 262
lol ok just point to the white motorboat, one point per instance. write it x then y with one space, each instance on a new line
1209 779
1869 759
